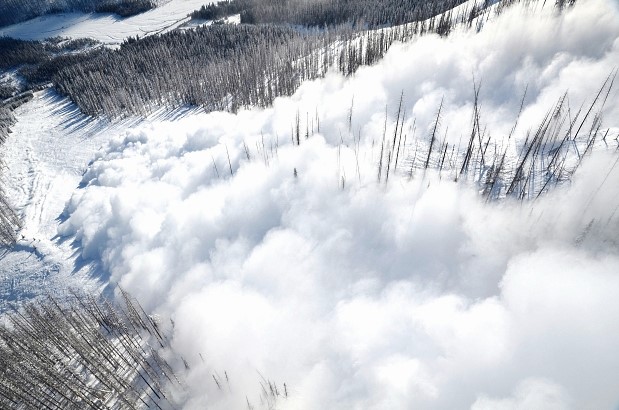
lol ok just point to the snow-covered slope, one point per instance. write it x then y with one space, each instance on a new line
45 156
44 159
106 28
289 262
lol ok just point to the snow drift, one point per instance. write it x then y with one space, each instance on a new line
291 263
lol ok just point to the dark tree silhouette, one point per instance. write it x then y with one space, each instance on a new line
83 353
319 13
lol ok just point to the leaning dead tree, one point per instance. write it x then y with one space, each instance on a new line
10 223
84 354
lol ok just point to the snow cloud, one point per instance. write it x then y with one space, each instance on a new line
291 263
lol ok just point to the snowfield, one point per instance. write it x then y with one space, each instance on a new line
45 156
44 159
291 263
108 29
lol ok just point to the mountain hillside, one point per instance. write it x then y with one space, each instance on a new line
421 215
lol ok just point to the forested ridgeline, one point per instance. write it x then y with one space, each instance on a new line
36 62
125 8
219 67
83 353
224 67
15 11
320 13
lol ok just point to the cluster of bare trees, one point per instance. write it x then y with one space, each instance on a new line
216 67
319 13
6 121
223 67
10 223
358 13
84 353
549 155
36 62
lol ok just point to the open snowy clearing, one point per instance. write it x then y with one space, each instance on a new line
109 29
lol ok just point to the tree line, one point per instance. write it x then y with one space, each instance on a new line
84 353
126 8
320 13
223 67
38 61
217 68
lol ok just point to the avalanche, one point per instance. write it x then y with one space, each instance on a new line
285 265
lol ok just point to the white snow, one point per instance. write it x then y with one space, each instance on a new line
414 294
45 157
417 294
109 29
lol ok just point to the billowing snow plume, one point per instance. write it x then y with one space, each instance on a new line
296 266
